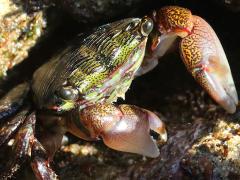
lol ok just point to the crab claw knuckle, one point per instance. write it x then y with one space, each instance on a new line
124 128
174 19
205 58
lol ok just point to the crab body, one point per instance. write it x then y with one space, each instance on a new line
75 91
99 67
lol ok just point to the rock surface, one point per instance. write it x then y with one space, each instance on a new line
95 11
19 32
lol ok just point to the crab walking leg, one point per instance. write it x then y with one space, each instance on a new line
22 147
124 127
40 164
11 126
13 100
204 57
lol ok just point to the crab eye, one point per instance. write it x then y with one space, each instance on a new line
68 93
146 26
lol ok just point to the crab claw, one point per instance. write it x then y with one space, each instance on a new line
124 128
201 52
204 57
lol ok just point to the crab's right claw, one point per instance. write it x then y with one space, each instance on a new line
124 128
205 58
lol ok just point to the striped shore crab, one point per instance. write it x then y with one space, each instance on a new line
75 91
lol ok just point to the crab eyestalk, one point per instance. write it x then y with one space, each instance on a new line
124 127
201 51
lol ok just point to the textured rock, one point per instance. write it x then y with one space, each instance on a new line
217 154
94 11
19 31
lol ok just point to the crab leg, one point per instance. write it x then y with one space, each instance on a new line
13 100
49 140
124 127
204 57
40 164
26 146
9 128
10 104
22 147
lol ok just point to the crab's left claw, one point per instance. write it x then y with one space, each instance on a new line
124 128
205 59
201 52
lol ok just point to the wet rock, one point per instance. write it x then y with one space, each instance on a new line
233 5
217 154
19 31
92 11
